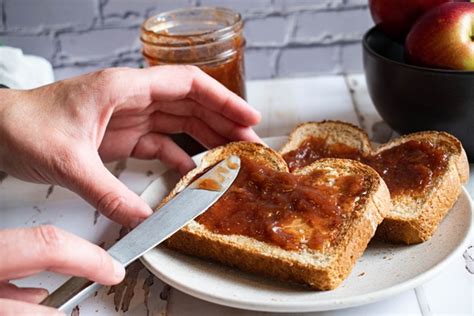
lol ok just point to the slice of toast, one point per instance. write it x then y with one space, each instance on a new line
322 269
414 217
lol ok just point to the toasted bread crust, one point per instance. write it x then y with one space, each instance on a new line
257 152
413 219
434 205
333 131
323 270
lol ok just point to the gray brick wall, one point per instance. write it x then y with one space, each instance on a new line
285 38
1 16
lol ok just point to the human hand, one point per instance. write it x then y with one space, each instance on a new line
61 133
28 251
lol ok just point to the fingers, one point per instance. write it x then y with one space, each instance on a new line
226 127
16 308
29 295
214 96
105 192
223 126
202 132
28 251
133 89
178 82
154 145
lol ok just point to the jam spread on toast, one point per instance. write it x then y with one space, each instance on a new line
406 168
287 210
315 148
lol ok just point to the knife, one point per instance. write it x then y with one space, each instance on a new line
184 207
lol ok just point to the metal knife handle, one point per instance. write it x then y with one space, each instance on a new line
191 202
68 295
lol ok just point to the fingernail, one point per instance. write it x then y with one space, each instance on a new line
136 221
42 294
34 295
259 114
119 270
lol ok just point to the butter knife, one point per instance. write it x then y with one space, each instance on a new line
171 217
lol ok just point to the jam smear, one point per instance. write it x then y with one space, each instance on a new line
315 148
209 184
290 211
407 168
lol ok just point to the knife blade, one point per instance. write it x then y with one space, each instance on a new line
171 217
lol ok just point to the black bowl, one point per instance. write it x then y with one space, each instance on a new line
411 98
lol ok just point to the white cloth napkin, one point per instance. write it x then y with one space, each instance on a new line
19 71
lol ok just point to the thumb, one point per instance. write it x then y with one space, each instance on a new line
111 197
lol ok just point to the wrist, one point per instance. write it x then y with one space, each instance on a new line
2 88
4 100
8 99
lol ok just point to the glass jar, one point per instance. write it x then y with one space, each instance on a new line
210 38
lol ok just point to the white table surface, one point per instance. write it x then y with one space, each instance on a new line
283 104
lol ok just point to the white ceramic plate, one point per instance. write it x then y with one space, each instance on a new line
383 271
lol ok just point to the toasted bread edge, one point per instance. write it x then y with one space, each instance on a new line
396 228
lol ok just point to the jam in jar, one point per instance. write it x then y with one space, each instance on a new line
210 38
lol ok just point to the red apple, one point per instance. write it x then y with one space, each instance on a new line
443 38
395 17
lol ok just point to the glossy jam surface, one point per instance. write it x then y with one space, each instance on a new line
410 167
209 184
315 148
283 209
406 168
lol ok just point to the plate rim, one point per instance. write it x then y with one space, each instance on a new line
326 304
